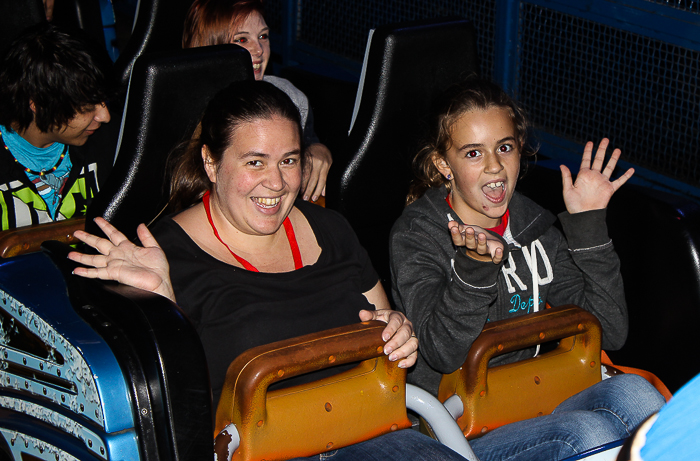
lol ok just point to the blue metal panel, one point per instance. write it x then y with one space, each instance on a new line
635 16
506 44
78 388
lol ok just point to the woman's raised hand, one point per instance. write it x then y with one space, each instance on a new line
481 245
401 343
593 188
120 260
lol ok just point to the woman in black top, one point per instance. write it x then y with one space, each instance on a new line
248 262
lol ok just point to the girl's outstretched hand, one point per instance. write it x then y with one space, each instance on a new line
401 342
141 267
593 188
481 245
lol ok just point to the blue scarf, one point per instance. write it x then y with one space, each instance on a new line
49 185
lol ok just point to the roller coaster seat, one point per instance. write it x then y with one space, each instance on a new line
402 73
493 397
358 404
167 94
92 371
157 28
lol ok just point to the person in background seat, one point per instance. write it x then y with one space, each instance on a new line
53 94
216 22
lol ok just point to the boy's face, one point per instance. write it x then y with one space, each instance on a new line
81 126
484 163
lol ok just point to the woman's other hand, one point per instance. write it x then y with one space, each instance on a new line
120 260
401 343
480 244
593 188
317 165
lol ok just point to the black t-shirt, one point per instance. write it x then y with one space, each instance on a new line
234 309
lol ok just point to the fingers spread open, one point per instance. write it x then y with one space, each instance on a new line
587 154
565 177
600 155
607 172
104 246
146 237
623 179
110 231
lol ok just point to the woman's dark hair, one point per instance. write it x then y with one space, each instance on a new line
236 105
214 22
55 71
472 94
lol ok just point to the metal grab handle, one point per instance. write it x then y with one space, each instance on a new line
525 331
24 240
495 396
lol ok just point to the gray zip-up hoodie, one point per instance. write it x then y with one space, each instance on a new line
449 296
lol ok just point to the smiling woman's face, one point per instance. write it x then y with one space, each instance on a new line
254 36
259 175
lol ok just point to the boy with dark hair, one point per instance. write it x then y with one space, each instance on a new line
53 95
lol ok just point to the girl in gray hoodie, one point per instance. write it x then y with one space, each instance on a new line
468 249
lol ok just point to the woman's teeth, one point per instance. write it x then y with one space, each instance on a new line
266 202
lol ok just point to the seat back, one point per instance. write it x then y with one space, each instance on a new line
91 372
157 27
167 94
17 16
403 72
81 14
493 397
358 404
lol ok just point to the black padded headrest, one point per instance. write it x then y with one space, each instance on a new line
81 14
167 94
407 65
15 17
157 27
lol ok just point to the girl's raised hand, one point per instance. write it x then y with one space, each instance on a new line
481 245
593 188
120 260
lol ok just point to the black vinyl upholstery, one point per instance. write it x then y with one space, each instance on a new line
167 95
15 16
406 67
161 357
81 14
657 237
157 27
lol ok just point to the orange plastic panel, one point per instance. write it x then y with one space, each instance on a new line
28 239
356 405
533 387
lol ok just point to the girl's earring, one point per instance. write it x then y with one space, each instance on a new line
449 177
